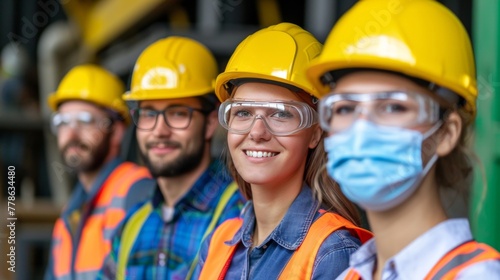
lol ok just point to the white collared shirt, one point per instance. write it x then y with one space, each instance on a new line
416 260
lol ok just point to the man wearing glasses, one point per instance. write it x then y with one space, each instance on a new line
175 113
89 121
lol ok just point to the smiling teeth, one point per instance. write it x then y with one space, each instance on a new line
259 154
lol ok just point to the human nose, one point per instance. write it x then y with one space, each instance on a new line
259 130
363 112
161 127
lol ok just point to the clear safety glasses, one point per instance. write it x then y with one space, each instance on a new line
280 117
338 111
80 120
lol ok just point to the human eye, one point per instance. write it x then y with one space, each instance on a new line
282 115
178 112
58 120
393 107
241 113
85 118
343 107
147 113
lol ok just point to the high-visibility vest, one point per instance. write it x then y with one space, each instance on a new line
136 221
94 243
449 266
300 266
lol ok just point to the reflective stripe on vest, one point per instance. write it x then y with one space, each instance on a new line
461 257
301 263
134 225
106 214
449 266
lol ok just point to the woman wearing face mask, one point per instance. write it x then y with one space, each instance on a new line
401 99
276 156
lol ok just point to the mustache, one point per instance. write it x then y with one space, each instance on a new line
166 143
75 143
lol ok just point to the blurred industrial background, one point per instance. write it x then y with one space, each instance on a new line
42 39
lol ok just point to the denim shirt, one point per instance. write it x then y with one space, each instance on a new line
417 259
267 260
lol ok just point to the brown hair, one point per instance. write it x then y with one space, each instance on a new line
454 172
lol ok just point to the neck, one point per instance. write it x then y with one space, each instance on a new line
270 206
174 188
87 179
398 227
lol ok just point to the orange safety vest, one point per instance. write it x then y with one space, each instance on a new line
301 263
94 245
453 262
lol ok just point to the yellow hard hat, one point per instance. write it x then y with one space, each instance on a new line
418 38
279 53
174 67
94 84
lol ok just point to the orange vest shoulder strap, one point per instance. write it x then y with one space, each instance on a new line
119 182
461 257
219 253
302 261
94 245
352 275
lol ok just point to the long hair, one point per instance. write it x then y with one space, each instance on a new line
454 172
325 189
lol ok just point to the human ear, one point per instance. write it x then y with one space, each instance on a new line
449 134
211 124
316 137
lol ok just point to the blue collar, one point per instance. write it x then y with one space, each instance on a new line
292 229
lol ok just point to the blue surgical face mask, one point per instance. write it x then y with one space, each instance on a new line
377 167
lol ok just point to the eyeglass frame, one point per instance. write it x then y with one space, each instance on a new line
325 106
309 115
157 112
93 121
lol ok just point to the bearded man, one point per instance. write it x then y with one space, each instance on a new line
89 121
174 109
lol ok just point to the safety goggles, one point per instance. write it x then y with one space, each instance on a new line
81 120
281 118
338 111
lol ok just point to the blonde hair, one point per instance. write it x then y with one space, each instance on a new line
325 190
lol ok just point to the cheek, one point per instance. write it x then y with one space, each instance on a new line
141 138
64 137
233 140
92 136
298 147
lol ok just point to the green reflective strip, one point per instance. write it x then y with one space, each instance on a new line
129 236
224 199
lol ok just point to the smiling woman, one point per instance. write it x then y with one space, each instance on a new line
276 155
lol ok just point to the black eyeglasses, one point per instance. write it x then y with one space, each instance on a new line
178 117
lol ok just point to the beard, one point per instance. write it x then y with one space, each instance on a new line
186 162
90 159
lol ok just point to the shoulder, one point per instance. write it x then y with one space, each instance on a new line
485 269
340 240
334 254
224 233
138 184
